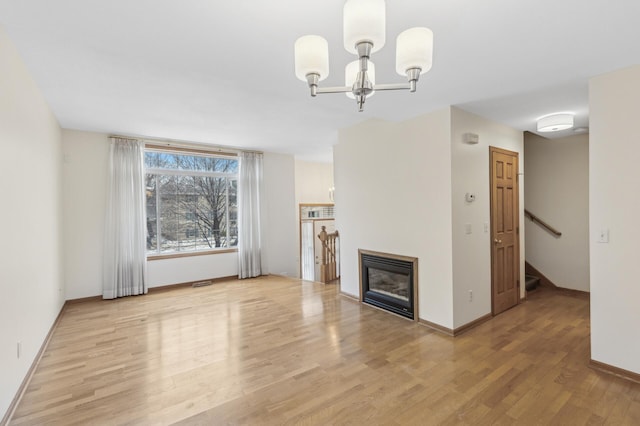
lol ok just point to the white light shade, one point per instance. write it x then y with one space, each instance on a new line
351 72
414 49
364 20
311 57
555 122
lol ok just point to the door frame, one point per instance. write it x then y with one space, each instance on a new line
516 212
300 218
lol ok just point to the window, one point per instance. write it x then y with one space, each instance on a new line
191 202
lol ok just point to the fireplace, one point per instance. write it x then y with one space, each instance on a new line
390 282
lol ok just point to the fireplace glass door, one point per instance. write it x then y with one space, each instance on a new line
387 282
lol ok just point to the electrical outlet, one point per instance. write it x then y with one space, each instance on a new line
470 295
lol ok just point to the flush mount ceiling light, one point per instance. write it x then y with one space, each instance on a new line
364 33
555 122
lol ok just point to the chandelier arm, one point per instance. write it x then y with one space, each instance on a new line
335 89
397 86
381 87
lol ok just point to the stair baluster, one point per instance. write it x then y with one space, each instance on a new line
328 267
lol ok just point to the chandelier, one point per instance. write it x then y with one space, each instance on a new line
364 34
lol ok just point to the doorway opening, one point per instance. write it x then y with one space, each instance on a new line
313 217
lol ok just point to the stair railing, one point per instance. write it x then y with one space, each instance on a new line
329 265
542 223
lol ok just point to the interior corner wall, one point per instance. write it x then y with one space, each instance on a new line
557 191
86 157
31 273
614 208
85 187
470 174
393 195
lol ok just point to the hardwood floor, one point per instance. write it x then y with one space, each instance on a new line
281 351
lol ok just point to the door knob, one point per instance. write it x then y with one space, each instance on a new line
497 241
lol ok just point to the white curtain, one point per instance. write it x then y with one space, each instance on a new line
249 215
125 263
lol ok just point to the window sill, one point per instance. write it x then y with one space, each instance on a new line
195 253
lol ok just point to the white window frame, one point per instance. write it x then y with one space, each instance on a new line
157 254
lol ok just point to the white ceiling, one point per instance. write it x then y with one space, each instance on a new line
221 72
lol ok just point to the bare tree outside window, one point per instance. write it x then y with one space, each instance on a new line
191 202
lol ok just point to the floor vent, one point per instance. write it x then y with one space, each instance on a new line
201 283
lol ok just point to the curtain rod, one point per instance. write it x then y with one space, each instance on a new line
183 144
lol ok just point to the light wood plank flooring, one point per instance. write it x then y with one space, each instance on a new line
281 351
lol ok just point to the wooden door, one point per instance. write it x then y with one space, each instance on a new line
505 257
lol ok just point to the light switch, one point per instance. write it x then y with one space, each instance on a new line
486 227
467 228
603 236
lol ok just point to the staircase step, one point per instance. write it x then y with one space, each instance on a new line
531 282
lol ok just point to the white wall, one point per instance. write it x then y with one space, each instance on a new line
85 180
313 181
614 175
31 286
400 188
86 157
393 194
470 173
557 190
192 268
280 218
